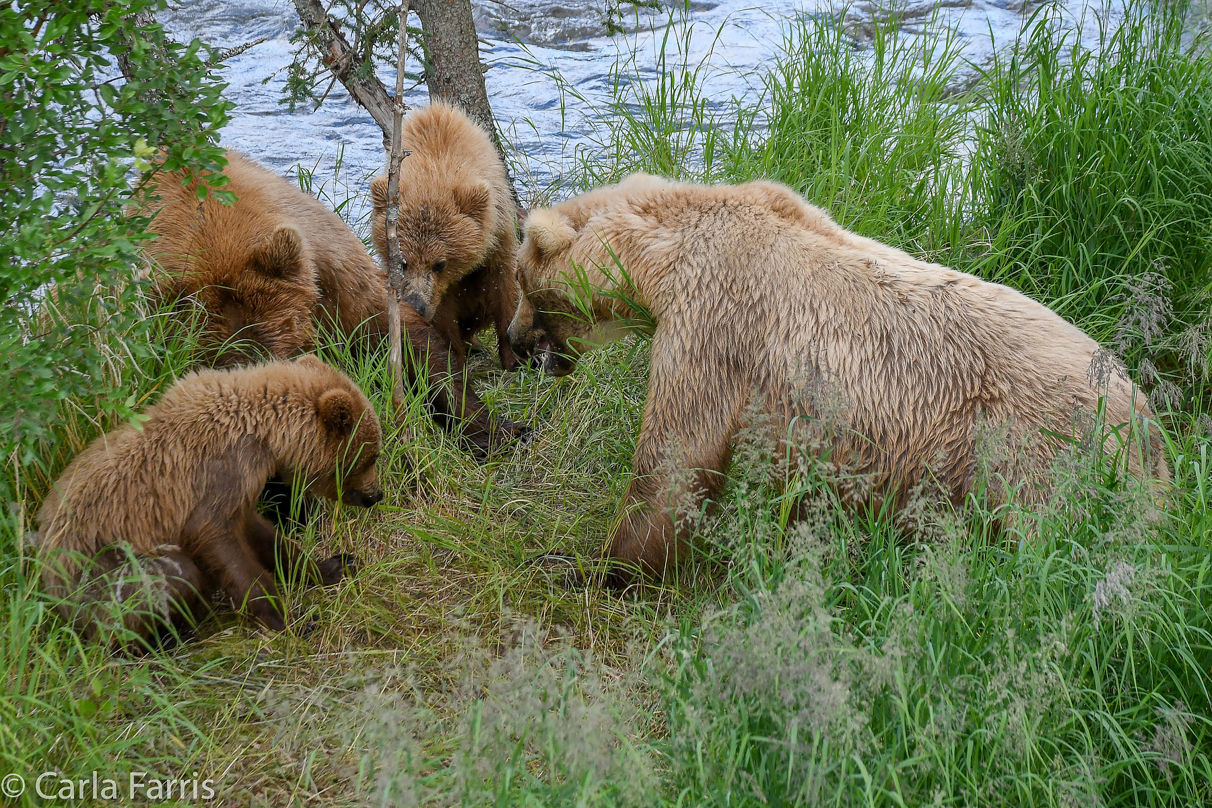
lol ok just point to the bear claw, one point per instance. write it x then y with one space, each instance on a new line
484 443
308 627
517 430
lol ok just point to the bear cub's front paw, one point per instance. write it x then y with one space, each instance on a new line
332 570
516 431
498 436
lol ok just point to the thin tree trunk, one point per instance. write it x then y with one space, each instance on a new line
395 266
388 113
453 71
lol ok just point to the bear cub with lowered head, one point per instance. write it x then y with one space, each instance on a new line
457 227
157 519
756 293
264 268
252 267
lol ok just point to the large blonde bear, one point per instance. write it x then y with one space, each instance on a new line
757 293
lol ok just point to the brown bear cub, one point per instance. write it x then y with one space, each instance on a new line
153 521
457 226
247 266
263 269
757 293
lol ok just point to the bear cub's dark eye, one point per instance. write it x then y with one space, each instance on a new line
438 266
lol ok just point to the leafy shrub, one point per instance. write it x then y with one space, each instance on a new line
71 128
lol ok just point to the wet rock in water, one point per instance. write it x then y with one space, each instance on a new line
570 25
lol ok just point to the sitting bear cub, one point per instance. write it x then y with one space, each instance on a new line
159 518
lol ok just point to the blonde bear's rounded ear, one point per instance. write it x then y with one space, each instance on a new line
280 255
336 409
549 231
378 192
641 178
311 361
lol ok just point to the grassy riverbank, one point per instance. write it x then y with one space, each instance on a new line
866 659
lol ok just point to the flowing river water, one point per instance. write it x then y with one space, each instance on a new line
550 62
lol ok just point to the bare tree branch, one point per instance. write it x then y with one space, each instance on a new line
395 265
347 65
145 19
231 53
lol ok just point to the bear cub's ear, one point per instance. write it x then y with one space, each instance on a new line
378 192
280 255
548 230
473 200
336 409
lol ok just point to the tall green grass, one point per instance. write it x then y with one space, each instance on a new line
69 706
875 136
1093 171
1067 664
938 657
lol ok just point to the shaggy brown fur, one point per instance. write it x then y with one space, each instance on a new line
457 227
264 267
755 291
247 266
159 518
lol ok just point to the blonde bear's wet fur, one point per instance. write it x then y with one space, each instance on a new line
756 292
173 503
